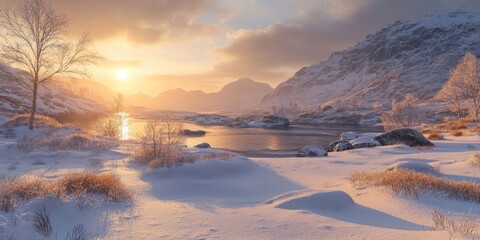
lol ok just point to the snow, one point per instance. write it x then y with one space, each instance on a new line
241 198
416 166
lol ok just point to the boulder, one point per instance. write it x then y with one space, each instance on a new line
272 121
197 133
348 136
414 166
340 145
366 141
406 136
203 145
312 151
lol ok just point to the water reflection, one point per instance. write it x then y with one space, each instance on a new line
124 119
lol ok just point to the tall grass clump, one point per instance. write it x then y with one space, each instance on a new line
79 232
77 141
42 223
465 225
73 185
413 184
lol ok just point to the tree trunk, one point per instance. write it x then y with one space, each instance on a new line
33 109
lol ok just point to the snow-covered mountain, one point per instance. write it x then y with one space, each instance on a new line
241 95
15 97
408 56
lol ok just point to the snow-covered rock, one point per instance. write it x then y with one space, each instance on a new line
348 136
365 141
340 145
210 119
312 151
406 136
360 82
203 145
196 133
415 166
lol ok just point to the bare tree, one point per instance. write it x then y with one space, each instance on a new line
470 68
404 113
452 92
33 38
463 87
119 104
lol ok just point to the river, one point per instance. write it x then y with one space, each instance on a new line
256 141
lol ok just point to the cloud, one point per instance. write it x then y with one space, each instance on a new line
335 25
142 21
121 63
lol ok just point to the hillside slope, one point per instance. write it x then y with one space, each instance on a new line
408 56
15 96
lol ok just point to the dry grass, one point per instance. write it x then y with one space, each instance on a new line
435 135
40 121
466 120
457 126
59 142
465 225
89 183
18 190
475 129
474 160
457 133
414 184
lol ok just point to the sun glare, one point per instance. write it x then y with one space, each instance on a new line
122 75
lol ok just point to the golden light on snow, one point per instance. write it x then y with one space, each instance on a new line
122 75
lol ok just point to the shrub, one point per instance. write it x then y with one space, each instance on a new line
413 184
457 133
111 127
78 185
466 225
160 144
404 114
40 121
42 223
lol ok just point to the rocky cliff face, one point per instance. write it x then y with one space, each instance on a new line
408 56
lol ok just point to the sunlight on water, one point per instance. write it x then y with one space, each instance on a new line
124 126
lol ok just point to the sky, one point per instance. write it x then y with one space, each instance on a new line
151 46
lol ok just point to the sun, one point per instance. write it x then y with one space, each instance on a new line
122 75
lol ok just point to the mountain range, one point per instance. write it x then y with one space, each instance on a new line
241 95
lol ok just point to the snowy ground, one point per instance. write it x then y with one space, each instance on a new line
261 198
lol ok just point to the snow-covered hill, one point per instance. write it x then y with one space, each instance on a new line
408 56
15 97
